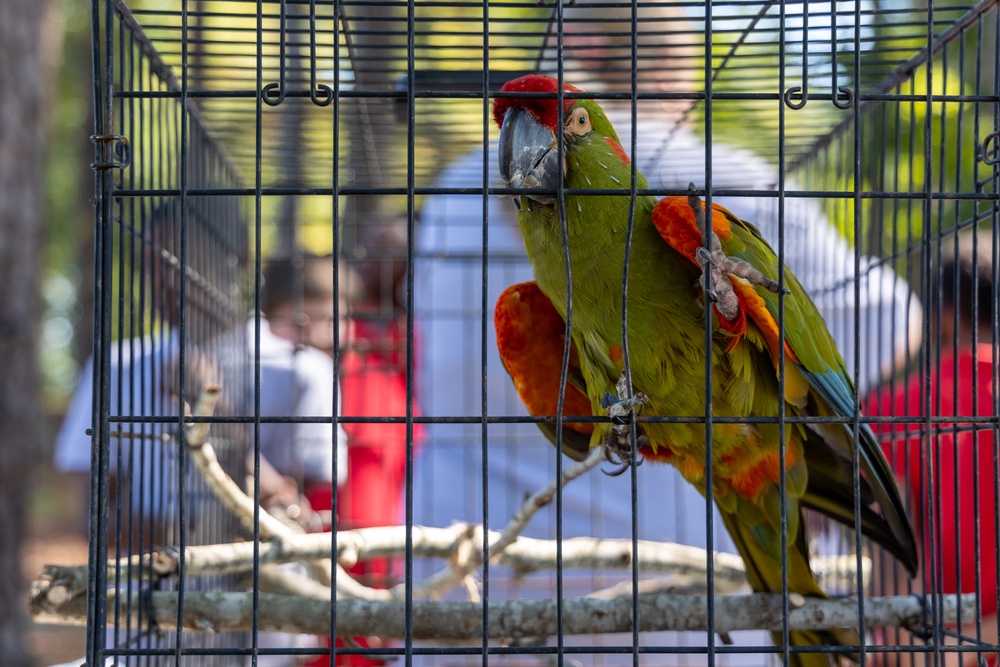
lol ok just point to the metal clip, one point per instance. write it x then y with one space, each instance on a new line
796 92
268 96
848 94
122 149
990 154
327 95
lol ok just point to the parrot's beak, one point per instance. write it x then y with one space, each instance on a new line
528 155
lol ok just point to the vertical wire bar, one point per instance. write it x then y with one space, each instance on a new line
976 482
568 340
928 444
97 506
707 243
782 454
129 336
335 217
956 299
856 371
182 338
483 324
119 402
938 372
995 312
908 454
411 113
626 358
145 83
895 446
258 187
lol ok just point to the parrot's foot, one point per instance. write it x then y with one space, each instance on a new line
618 452
617 444
717 267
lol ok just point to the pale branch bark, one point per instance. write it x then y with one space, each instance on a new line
241 505
286 581
443 581
56 595
684 565
457 621
220 483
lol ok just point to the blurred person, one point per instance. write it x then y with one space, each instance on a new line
145 383
145 379
373 384
297 379
455 331
297 372
959 383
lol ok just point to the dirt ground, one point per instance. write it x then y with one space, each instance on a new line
55 535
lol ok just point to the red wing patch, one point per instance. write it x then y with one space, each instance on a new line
674 220
530 335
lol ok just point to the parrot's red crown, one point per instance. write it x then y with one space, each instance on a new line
543 109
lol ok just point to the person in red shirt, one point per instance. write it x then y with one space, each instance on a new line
954 491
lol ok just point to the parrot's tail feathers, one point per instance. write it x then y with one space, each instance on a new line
763 571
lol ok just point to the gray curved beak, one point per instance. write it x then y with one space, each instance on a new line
528 156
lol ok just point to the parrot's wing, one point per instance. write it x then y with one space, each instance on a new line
816 381
530 338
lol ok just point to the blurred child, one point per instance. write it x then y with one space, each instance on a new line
372 385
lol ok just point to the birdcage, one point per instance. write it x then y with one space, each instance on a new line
859 139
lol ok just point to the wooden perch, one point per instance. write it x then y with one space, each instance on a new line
444 621
301 604
241 505
525 555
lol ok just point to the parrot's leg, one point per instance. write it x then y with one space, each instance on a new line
617 444
718 267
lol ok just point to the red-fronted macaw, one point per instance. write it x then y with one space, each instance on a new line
666 342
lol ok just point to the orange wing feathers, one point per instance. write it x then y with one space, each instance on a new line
530 338
674 220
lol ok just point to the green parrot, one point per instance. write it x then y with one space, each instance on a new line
666 341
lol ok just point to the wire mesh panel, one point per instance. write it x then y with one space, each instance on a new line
837 321
170 329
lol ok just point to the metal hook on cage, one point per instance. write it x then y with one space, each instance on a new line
848 96
801 91
315 88
790 100
327 94
268 96
266 93
836 89
988 154
121 147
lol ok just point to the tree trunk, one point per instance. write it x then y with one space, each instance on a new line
25 78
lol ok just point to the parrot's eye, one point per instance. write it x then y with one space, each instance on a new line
579 122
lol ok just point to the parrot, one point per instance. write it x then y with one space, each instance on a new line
671 272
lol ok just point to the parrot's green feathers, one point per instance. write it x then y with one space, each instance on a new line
759 335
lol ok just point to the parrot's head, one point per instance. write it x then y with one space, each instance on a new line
529 145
